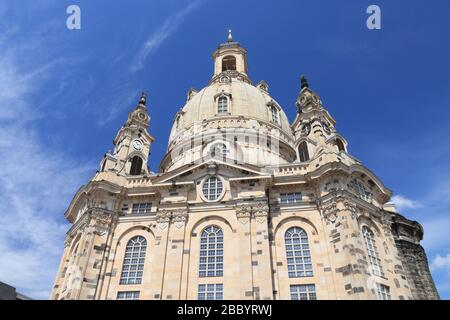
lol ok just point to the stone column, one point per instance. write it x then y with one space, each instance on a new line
163 218
94 249
243 215
261 260
174 255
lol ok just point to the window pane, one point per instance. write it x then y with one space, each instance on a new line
210 291
128 295
137 246
212 188
303 292
211 259
372 252
296 243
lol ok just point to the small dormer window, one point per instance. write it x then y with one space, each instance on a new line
222 105
229 63
274 113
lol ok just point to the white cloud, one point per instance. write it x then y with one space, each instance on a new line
441 262
405 203
157 38
36 181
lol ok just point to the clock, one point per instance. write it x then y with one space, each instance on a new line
306 129
137 144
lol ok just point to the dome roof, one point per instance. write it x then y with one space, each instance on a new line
245 100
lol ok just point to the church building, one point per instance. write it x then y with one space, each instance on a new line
245 205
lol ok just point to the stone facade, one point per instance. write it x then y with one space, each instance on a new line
245 206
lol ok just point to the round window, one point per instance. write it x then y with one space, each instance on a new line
212 188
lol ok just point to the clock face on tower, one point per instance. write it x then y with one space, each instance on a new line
137 144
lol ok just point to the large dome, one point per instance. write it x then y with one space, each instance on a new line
231 114
246 101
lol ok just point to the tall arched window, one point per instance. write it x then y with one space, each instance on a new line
228 63
298 253
211 252
133 262
136 166
222 105
372 252
303 152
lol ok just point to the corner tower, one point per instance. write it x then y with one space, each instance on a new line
131 144
314 128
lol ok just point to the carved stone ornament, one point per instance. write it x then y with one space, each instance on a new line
102 220
163 218
330 212
101 217
305 129
351 207
243 213
259 211
179 218
224 79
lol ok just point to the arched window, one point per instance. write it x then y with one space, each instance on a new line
362 191
274 112
211 252
340 145
298 253
228 63
303 152
212 188
133 262
222 105
219 150
372 252
136 166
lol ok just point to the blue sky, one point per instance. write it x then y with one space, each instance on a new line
64 94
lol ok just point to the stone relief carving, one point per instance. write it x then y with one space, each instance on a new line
350 206
102 220
330 212
179 218
259 211
243 213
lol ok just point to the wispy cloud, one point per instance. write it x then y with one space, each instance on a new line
402 203
157 38
36 180
441 262
441 265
